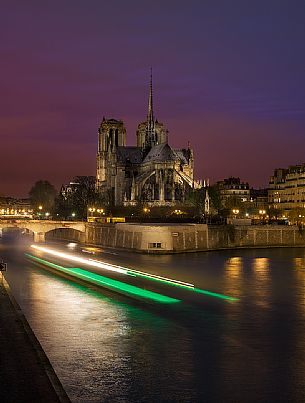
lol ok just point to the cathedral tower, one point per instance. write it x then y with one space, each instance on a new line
111 134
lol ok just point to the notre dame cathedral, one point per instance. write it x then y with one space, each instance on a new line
152 172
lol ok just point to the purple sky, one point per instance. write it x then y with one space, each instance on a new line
229 76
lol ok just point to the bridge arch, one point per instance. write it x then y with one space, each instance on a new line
69 234
41 227
10 230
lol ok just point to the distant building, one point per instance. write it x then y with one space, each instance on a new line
233 191
68 190
152 172
15 208
287 188
259 198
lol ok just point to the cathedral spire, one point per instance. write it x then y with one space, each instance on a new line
150 136
150 115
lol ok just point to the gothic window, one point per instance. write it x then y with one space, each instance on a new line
111 137
178 192
149 191
116 142
157 193
167 192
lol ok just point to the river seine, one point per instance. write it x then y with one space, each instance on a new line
108 348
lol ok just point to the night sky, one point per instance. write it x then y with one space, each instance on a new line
229 76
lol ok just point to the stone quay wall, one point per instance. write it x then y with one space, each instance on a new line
153 238
175 238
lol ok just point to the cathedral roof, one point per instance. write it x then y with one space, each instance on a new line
129 154
160 153
114 120
181 155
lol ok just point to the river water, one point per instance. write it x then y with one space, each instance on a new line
107 348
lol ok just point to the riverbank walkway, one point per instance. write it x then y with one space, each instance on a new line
26 374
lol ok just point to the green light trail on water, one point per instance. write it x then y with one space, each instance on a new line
135 273
109 283
181 285
215 294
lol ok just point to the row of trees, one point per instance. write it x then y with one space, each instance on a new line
45 199
74 204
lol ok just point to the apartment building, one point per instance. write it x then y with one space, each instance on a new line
287 188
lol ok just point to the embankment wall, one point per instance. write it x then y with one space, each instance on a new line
164 238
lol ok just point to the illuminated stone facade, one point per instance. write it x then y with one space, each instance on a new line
287 188
151 172
232 190
11 207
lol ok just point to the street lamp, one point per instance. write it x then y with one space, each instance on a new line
262 214
235 211
39 211
99 211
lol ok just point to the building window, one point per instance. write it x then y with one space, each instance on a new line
154 245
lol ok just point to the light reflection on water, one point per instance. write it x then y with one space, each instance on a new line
106 348
262 290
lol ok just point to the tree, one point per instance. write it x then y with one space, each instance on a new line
195 202
214 194
43 194
296 215
274 213
82 195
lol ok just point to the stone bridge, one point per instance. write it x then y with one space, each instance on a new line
41 227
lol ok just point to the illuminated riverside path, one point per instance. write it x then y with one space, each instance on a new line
105 347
